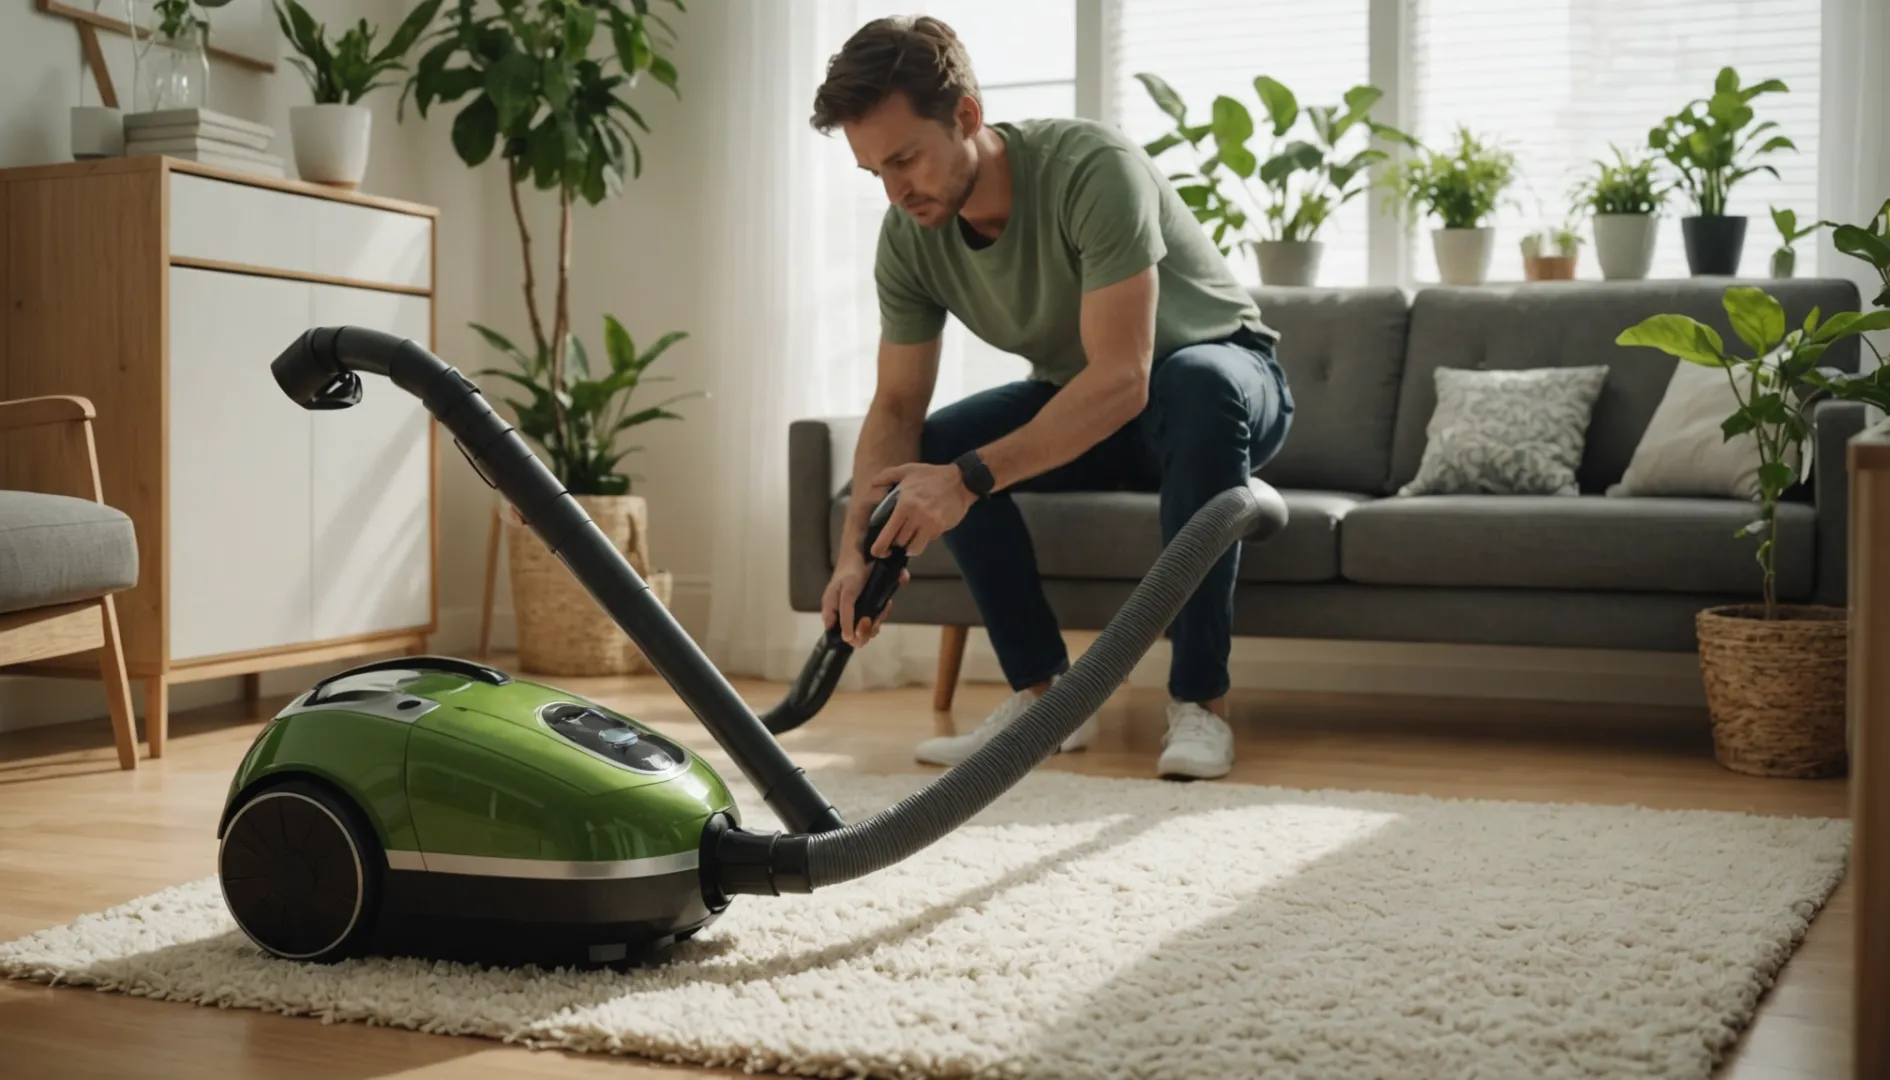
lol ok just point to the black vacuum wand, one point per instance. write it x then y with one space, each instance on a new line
828 661
318 371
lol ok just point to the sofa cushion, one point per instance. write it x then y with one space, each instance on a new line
1574 323
55 549
1116 536
1343 351
1572 542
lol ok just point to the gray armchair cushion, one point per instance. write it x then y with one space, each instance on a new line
1116 536
1574 542
55 549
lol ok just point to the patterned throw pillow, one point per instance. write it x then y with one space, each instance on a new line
1507 432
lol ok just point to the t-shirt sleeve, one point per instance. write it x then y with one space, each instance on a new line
1114 217
908 314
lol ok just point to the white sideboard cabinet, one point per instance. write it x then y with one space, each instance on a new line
268 536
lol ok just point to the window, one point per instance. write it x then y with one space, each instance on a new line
1557 81
1205 48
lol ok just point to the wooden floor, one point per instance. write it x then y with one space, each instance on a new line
77 835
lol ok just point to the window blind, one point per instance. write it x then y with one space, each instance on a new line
1204 48
1557 81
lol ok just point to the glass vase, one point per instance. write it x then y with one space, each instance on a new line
170 63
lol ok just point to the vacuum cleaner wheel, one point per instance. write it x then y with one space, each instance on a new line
300 873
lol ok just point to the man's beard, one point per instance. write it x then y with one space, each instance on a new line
954 199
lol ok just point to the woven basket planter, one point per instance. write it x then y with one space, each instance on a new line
562 630
1776 689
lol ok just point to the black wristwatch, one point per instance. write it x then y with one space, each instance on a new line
976 473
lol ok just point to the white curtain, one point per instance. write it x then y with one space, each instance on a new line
794 334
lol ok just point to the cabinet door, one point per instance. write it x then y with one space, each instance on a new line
239 475
372 477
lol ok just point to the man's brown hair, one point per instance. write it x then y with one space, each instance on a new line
917 56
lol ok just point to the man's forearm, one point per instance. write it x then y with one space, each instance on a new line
1090 408
888 437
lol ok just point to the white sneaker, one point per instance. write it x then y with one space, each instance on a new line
1199 744
952 749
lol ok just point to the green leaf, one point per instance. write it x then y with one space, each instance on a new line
618 345
1756 317
1811 319
580 27
664 71
475 129
501 343
511 84
1775 476
1282 107
1677 335
1855 242
1851 322
662 345
574 350
1233 125
1163 95
1727 82
1162 145
1738 424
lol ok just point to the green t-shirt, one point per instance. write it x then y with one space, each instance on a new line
1088 209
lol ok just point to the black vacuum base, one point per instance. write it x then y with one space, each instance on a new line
500 922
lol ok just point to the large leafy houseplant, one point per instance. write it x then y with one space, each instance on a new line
546 86
1281 193
1712 144
557 118
1869 243
1462 187
1774 676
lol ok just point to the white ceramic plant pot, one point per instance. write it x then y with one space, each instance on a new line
331 143
1463 255
1624 245
1288 262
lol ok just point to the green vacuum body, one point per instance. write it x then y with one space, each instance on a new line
432 806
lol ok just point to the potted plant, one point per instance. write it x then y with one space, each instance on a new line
1786 222
1705 145
1623 201
1462 188
170 56
1564 243
1301 182
331 135
1774 673
556 117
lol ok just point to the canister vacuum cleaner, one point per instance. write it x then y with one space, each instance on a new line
431 806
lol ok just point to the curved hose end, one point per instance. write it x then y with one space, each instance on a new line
1272 515
311 374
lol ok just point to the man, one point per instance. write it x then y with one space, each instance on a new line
1059 241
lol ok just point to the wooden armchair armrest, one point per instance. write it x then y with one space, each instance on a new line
38 411
80 449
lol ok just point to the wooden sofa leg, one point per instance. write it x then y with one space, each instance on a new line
951 656
111 663
157 713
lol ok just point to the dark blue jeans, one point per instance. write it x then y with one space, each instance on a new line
1216 412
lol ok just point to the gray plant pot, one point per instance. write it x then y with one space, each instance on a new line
1624 245
1463 255
1288 262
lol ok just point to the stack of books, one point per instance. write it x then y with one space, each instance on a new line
205 136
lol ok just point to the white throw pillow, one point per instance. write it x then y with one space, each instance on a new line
1685 452
1507 432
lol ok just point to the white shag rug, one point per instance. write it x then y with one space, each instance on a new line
1086 927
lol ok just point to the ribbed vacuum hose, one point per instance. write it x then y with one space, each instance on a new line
926 815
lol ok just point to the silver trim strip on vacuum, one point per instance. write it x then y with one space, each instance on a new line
548 869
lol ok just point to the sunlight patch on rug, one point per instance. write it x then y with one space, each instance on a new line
1129 928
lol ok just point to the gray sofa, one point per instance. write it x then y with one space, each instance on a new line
1356 562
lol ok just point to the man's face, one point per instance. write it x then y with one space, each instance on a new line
927 168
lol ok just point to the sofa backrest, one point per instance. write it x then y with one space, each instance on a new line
1343 352
1570 324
